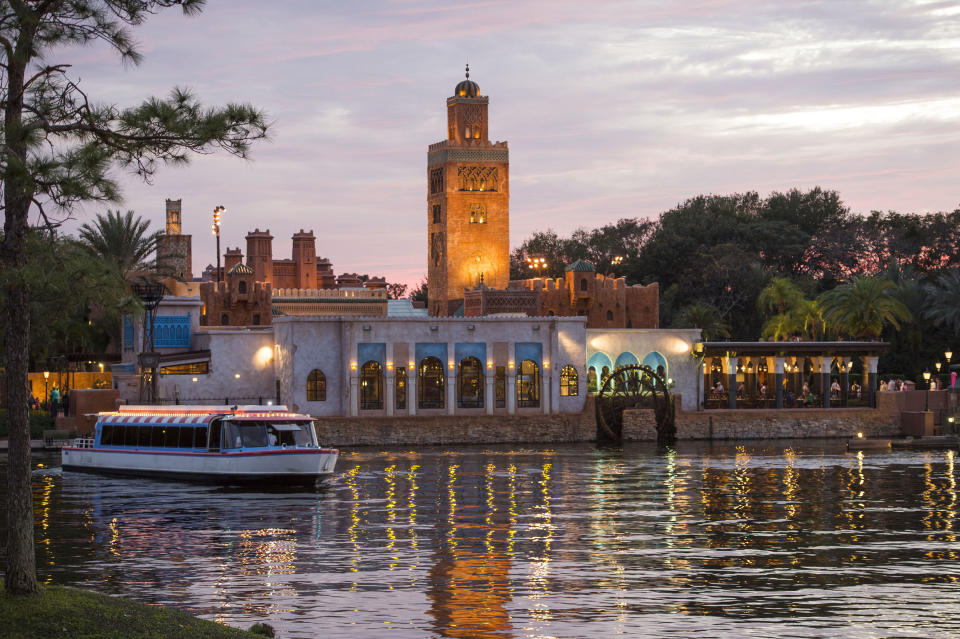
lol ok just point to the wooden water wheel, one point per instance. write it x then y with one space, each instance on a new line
634 386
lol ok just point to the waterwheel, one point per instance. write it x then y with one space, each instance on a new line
634 386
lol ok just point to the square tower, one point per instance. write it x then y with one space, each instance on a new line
468 204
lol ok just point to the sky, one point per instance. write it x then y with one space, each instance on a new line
612 109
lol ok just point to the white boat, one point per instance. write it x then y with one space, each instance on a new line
209 443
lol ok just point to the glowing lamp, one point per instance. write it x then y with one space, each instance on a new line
353 366
926 376
860 435
948 355
546 365
489 364
46 374
236 375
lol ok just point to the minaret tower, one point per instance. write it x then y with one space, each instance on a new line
468 204
174 257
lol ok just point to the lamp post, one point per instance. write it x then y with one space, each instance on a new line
538 264
926 378
46 397
150 294
216 231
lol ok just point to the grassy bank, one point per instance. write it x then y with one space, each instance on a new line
80 614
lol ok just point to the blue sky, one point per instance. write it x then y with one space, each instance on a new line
612 109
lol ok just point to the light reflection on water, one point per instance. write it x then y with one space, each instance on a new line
794 539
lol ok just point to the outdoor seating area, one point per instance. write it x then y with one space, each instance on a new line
776 375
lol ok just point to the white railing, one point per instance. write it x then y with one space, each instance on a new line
83 442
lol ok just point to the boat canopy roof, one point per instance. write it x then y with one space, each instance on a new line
193 415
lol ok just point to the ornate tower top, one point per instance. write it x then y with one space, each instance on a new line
467 88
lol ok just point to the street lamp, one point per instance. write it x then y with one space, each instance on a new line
538 264
948 355
46 378
216 231
926 378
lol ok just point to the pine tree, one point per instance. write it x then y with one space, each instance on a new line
59 148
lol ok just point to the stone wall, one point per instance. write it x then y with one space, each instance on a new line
448 429
800 423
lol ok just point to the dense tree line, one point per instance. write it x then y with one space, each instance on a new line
798 264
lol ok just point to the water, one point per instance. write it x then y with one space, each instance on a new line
795 539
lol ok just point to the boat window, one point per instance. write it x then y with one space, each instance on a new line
231 435
130 436
144 439
156 438
289 434
215 434
106 435
186 436
245 434
171 437
200 437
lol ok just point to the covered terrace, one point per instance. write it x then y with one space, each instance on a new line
788 374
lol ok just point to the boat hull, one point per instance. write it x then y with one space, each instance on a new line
300 466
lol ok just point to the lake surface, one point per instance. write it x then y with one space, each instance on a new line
786 539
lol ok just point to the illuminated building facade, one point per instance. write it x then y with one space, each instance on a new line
468 204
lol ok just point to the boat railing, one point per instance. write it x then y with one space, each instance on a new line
83 442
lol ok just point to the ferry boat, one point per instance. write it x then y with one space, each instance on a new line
208 443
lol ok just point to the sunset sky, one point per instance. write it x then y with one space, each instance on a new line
611 110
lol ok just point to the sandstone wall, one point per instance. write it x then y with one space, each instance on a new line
771 424
448 429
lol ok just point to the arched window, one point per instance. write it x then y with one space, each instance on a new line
470 383
316 386
609 316
583 283
256 319
437 219
401 384
224 320
430 383
592 379
604 374
242 287
528 384
569 382
371 386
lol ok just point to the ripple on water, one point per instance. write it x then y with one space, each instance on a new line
723 540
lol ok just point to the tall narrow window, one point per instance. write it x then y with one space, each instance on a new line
609 316
500 386
401 387
371 386
242 287
256 319
569 382
316 386
528 384
437 216
224 320
583 283
592 380
470 383
430 383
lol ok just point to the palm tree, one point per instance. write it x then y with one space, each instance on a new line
943 300
861 307
780 296
808 317
779 327
123 241
706 318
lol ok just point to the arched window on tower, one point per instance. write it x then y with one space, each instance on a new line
242 287
437 218
316 386
609 316
583 283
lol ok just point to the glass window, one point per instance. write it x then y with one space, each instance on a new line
592 379
171 437
106 433
500 386
316 386
609 316
231 435
200 437
570 382
130 435
194 368
241 287
528 384
256 319
156 436
430 383
186 437
224 320
470 383
145 433
371 386
401 382
583 283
